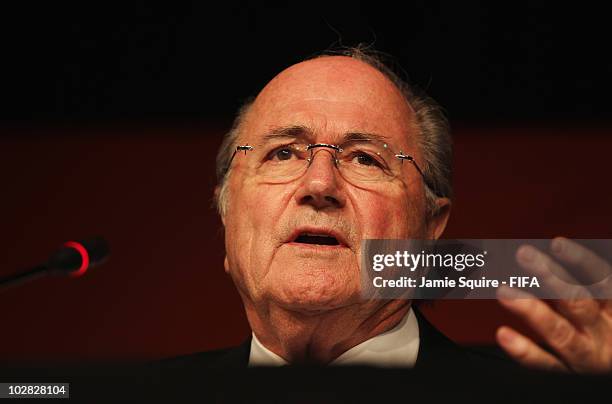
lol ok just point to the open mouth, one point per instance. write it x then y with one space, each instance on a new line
317 239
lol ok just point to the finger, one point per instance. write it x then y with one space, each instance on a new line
593 268
556 331
525 351
596 272
607 306
581 312
559 283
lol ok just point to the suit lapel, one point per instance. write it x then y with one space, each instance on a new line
237 357
435 349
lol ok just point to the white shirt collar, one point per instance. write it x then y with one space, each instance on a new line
397 347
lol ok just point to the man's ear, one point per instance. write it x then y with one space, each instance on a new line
437 222
226 265
217 194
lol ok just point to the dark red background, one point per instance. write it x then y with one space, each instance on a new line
164 291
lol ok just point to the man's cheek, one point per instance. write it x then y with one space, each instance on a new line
267 204
377 221
379 227
258 223
388 224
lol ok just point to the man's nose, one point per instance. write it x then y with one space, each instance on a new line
320 185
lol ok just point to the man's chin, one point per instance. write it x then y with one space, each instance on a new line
314 301
310 285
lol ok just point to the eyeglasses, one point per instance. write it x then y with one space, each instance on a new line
358 161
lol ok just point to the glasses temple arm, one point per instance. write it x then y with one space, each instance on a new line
429 185
244 148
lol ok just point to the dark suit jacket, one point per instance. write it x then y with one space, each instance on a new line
435 350
443 371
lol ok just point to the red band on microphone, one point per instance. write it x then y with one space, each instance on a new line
84 258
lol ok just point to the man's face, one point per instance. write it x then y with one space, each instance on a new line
330 97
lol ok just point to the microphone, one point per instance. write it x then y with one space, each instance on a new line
73 259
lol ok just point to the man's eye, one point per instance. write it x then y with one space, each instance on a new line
366 160
281 154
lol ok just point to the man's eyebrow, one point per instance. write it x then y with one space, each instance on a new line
293 131
363 136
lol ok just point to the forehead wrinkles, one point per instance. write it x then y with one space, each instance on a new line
329 122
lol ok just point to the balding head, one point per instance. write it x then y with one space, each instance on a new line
337 80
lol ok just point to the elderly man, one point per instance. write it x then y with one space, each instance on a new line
332 151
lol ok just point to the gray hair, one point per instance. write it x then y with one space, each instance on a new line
434 137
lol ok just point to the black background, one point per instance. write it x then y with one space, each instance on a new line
191 61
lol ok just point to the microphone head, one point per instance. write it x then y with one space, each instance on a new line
75 257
